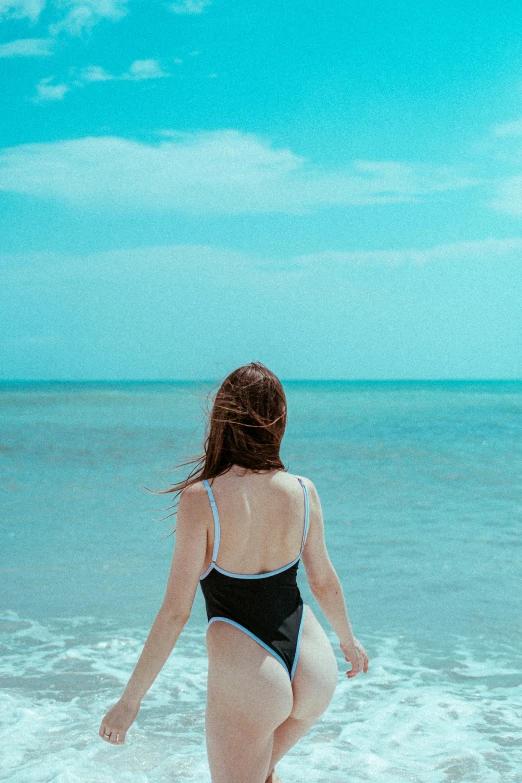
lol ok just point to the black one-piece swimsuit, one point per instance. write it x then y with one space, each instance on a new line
268 607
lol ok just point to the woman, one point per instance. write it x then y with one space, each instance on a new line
272 670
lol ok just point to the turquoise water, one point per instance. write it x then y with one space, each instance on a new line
421 488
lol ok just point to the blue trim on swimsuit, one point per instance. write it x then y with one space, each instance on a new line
298 643
242 627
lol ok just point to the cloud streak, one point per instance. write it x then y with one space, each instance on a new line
224 171
490 248
28 47
74 16
508 191
85 14
138 71
45 91
21 9
188 6
193 261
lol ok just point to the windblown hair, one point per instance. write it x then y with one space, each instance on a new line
245 427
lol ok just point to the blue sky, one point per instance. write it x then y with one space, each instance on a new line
334 189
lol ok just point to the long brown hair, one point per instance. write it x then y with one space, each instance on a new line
245 427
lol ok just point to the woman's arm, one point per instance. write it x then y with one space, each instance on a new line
186 567
326 586
320 573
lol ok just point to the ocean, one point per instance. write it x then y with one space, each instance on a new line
421 489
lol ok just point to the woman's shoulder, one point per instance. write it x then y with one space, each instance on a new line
311 491
307 481
194 490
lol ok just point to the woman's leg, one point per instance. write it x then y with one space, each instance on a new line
249 695
315 680
285 737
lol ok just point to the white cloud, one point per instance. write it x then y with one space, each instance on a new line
94 73
189 6
508 129
509 196
43 339
145 69
74 16
488 249
85 14
21 9
27 47
223 171
139 70
228 265
505 142
49 92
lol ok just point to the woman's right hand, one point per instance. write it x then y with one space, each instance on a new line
355 654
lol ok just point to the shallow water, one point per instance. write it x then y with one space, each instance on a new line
421 488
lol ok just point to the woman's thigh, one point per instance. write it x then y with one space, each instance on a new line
249 694
316 674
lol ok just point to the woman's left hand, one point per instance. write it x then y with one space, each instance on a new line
116 722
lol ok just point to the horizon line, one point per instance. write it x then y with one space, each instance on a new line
5 381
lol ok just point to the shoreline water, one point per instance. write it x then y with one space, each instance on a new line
421 492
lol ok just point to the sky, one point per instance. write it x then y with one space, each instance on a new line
333 189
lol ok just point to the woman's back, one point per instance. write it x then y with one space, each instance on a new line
261 520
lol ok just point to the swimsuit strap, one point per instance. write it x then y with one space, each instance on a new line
307 513
216 520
